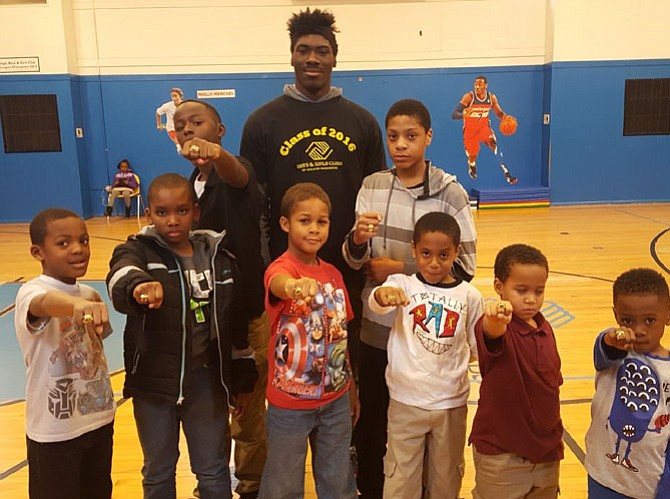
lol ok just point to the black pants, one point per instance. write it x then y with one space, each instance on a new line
74 469
370 432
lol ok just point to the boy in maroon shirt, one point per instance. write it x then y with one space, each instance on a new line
517 431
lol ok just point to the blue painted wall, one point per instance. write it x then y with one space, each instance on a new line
581 155
34 181
591 160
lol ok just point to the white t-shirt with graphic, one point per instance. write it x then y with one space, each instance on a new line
432 342
68 390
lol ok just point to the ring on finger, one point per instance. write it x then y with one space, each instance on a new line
391 299
87 319
297 290
195 149
144 297
501 306
620 334
371 228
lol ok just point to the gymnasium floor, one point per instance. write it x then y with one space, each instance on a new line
587 247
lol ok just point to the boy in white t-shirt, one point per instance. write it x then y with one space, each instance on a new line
432 342
69 400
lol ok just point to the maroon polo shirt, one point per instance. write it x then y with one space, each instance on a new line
519 407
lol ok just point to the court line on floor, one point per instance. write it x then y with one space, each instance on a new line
654 253
19 466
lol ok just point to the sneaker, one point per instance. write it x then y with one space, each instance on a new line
510 179
472 171
108 211
249 495
628 465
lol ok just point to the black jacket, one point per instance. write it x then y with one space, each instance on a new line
156 342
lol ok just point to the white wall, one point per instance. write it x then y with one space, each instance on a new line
176 36
36 30
586 30
167 36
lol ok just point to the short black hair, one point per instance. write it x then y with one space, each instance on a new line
40 222
410 107
302 192
437 221
517 253
313 22
641 281
124 160
482 77
210 108
171 181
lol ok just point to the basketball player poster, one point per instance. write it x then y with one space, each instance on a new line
168 109
474 109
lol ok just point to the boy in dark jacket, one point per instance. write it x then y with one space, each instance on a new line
185 343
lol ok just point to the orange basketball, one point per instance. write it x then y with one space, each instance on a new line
508 125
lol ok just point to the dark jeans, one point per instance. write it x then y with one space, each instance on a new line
370 433
203 415
74 469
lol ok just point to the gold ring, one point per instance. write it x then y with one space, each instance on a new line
371 228
501 306
297 290
195 149
391 299
620 334
144 298
87 319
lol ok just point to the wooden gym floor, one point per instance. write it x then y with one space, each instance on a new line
587 247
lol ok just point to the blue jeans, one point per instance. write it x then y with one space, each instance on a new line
203 415
328 429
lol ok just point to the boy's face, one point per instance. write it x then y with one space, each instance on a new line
435 254
194 120
124 167
647 314
65 252
407 140
307 228
172 212
524 289
313 62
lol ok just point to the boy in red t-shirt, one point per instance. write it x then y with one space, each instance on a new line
309 378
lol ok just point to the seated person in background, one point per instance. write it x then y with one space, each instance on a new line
124 185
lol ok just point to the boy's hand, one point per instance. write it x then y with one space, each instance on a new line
91 313
299 289
496 317
388 296
621 338
199 151
149 294
377 270
367 225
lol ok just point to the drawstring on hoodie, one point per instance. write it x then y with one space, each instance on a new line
425 195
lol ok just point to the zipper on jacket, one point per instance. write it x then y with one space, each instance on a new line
182 370
215 317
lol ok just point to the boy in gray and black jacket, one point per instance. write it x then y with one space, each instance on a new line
186 353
